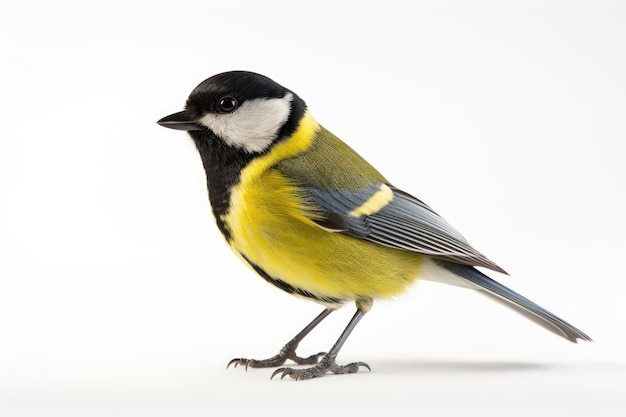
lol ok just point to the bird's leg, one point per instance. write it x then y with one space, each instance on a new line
327 363
288 351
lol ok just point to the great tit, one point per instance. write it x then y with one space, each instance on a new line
312 217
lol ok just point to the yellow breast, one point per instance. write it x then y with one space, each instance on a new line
271 225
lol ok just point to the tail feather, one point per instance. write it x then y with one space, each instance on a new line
516 302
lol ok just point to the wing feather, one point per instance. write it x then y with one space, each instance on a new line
404 223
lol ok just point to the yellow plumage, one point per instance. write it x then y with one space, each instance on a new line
272 226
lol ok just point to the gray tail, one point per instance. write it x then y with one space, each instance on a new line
516 302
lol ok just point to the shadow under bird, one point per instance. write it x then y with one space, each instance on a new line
313 218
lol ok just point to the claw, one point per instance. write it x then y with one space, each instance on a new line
364 365
276 372
238 361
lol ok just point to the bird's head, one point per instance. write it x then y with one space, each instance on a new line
244 110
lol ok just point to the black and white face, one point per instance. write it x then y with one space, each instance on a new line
247 111
251 125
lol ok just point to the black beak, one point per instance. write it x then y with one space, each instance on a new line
179 121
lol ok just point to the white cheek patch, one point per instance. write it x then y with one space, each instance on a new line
254 125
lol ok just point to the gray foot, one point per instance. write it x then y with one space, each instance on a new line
287 352
326 365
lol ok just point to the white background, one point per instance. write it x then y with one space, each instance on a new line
119 297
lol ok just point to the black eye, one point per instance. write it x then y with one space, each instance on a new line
227 105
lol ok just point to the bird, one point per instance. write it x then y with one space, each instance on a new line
311 216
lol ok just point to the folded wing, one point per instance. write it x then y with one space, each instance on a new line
387 216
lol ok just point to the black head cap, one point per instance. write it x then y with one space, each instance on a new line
241 85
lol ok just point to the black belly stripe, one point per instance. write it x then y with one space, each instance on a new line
287 287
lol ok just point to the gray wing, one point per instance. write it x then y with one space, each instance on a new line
402 221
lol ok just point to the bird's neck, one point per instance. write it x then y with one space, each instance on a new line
226 166
222 165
